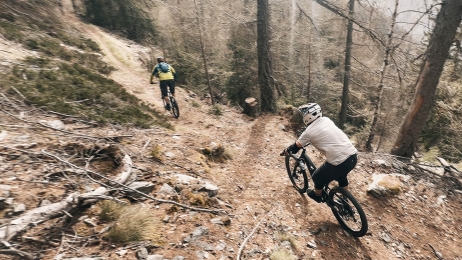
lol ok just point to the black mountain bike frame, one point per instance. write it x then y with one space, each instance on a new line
343 204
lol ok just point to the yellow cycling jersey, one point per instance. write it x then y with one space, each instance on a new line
163 75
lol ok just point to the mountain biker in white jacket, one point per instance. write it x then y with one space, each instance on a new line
324 135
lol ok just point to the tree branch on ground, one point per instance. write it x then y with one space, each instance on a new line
21 254
118 184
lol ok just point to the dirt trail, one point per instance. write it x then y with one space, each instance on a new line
120 53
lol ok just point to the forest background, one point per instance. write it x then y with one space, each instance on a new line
362 70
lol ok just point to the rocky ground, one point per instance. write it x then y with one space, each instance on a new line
247 208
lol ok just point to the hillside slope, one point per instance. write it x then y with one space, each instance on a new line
421 221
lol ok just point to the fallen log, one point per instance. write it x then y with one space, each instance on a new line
21 254
41 214
450 170
447 166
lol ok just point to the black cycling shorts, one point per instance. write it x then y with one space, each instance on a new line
328 172
167 83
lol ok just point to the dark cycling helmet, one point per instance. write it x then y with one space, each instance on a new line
310 112
160 59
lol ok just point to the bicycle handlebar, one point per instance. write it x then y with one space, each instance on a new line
289 153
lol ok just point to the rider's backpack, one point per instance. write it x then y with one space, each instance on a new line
164 67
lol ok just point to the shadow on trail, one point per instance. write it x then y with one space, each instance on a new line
255 142
328 236
335 243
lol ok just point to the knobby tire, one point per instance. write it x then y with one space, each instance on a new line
297 176
348 213
175 109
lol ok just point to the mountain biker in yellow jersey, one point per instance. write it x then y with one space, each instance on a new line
330 140
167 77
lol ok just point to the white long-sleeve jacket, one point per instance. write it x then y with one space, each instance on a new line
330 140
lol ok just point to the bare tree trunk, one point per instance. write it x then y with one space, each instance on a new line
293 20
346 76
378 99
308 84
382 133
447 22
338 11
455 68
265 80
203 53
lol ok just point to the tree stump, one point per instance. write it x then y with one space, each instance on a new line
250 107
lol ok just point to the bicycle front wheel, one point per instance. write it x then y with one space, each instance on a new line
348 211
175 109
297 175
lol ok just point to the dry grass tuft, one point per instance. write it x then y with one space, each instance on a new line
156 153
282 255
282 236
217 153
430 155
172 209
216 110
110 210
197 199
195 104
132 223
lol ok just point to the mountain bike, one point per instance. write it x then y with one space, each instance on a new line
173 104
343 204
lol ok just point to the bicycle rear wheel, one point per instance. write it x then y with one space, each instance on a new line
348 211
175 109
297 175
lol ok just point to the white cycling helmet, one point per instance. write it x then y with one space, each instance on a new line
310 112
